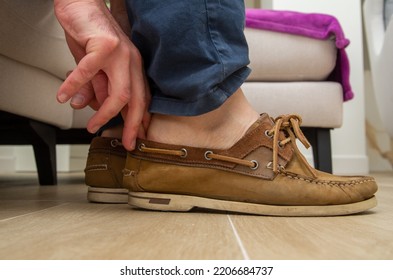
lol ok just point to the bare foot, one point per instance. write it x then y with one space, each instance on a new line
218 129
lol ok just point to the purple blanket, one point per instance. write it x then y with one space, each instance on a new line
318 26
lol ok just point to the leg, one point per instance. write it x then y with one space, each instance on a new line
188 84
44 145
214 156
204 146
321 146
194 57
191 82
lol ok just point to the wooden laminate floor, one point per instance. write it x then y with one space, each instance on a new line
58 223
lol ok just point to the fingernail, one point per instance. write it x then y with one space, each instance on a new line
78 99
133 143
94 129
62 97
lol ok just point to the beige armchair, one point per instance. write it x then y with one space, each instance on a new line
34 59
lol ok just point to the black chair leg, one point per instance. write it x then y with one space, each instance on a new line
44 145
321 145
18 130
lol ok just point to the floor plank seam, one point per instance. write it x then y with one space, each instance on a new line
31 213
238 239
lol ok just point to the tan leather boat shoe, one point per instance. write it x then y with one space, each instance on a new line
104 171
264 173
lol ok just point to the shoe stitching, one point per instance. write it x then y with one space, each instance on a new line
329 183
201 165
96 167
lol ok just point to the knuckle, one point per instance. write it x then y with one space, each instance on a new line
124 96
85 72
112 42
135 53
132 128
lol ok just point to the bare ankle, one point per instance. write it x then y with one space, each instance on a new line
218 129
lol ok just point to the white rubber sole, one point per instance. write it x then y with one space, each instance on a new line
183 203
107 195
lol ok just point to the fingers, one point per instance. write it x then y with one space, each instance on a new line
137 107
122 85
84 97
82 74
100 86
118 92
133 123
109 109
136 118
109 76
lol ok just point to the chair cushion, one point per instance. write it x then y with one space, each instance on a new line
320 104
31 92
31 34
283 57
81 117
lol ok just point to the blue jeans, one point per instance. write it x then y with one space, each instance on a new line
194 51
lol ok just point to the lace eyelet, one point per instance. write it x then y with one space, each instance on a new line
207 155
256 165
185 153
115 143
268 135
281 146
141 146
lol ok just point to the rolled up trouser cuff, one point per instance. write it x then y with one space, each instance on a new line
195 52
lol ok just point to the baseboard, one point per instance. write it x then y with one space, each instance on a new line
7 164
77 164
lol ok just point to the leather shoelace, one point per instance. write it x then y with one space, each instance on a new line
291 125
288 123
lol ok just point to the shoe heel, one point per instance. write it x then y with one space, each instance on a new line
107 195
162 202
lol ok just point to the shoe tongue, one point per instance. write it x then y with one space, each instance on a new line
264 118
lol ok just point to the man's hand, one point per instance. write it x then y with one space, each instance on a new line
109 75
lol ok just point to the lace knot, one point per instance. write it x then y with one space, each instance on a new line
290 125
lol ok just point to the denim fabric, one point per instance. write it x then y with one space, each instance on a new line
194 51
